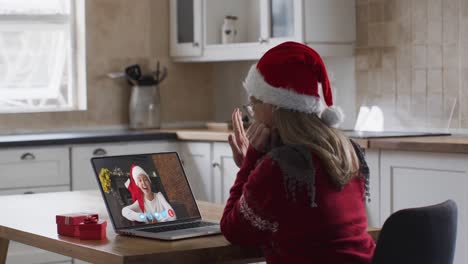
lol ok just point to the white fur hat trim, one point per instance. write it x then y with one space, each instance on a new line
256 86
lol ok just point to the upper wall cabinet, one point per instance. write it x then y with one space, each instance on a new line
199 28
257 25
330 26
186 24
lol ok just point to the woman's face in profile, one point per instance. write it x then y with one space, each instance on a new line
263 112
144 183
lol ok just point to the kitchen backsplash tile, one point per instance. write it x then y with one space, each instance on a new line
362 14
375 37
419 56
390 10
404 30
362 33
465 8
376 12
434 11
434 34
434 56
431 62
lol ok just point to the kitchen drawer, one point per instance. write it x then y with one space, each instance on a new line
20 253
28 167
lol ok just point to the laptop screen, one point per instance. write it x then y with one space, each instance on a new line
145 189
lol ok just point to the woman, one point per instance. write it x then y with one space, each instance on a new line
299 194
148 207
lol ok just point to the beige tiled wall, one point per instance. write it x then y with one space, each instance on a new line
411 59
119 33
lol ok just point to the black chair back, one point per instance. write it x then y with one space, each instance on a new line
425 235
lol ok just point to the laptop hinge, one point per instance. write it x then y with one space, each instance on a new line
166 224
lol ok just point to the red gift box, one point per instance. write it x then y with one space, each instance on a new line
92 231
67 224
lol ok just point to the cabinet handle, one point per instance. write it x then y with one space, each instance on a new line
99 152
262 40
215 164
28 156
196 44
29 192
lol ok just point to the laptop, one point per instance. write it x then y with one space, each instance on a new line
148 195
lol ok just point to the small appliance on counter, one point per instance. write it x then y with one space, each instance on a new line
144 106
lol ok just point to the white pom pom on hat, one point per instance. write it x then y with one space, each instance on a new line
332 116
288 76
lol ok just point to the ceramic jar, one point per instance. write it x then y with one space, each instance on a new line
229 30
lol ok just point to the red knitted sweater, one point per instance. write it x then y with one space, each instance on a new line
260 212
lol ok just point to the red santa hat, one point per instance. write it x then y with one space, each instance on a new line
135 191
288 75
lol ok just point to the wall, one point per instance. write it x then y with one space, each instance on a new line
411 60
228 91
119 33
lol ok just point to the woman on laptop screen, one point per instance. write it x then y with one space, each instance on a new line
300 192
148 207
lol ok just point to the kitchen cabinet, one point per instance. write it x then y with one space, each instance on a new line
260 24
413 179
34 167
224 171
210 169
83 176
373 204
19 253
330 26
185 31
25 171
196 158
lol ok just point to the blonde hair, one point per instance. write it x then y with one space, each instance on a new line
330 145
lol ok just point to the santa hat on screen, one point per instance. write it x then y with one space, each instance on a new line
288 75
135 191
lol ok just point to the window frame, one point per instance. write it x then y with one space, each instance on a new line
75 57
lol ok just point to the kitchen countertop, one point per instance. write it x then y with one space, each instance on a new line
200 134
41 139
222 135
445 144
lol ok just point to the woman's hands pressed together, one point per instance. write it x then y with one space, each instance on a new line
257 135
239 142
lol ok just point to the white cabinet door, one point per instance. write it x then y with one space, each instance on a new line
224 171
413 179
260 25
186 24
19 253
330 21
282 20
196 157
326 25
373 206
83 177
33 167
330 26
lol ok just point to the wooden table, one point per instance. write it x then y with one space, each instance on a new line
30 219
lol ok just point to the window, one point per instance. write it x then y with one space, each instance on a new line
41 55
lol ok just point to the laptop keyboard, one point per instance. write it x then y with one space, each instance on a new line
177 227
